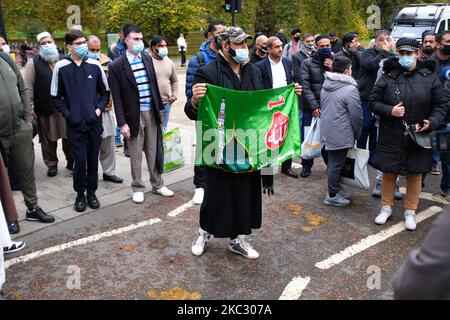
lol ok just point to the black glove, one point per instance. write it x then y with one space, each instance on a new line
267 181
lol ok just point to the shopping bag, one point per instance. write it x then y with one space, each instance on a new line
311 147
355 172
173 150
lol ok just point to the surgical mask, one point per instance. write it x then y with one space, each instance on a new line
163 52
137 48
239 55
95 56
82 50
407 61
6 49
324 53
446 50
48 50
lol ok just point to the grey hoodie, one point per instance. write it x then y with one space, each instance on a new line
341 113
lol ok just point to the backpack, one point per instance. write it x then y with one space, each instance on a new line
201 59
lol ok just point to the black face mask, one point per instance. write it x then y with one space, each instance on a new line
446 50
263 49
297 39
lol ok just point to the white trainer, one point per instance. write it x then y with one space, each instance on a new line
164 191
138 197
198 196
384 215
242 247
410 220
199 244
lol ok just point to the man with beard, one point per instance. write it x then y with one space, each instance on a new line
51 125
428 45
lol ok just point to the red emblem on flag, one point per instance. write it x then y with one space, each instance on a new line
278 131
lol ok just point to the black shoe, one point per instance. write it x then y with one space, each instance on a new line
305 173
70 165
93 201
112 179
126 152
52 171
289 173
37 214
80 203
13 227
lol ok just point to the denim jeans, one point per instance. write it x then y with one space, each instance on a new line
166 114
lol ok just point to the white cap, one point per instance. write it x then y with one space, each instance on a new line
43 35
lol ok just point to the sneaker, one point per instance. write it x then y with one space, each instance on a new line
92 201
126 152
198 196
344 194
384 215
52 171
337 201
14 247
164 192
410 220
138 197
199 244
242 247
376 193
13 227
435 171
397 194
306 172
80 203
37 214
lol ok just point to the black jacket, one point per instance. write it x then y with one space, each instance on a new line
297 60
266 72
355 57
368 70
422 95
312 75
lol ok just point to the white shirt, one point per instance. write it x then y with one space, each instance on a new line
131 57
181 42
278 74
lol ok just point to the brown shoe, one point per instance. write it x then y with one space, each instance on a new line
290 173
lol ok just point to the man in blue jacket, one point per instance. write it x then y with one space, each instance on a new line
80 92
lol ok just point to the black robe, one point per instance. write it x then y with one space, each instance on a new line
232 204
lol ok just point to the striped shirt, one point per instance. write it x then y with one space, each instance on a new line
142 80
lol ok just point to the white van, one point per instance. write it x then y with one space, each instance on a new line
414 19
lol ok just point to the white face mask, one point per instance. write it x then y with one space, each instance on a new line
6 49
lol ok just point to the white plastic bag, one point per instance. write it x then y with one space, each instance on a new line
355 172
311 147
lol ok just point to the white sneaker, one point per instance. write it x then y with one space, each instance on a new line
198 196
164 192
384 215
14 247
199 244
242 247
138 197
410 220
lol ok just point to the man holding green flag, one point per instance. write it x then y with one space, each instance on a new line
232 206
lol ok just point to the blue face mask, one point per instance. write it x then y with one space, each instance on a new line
324 53
163 52
95 56
239 55
49 50
407 62
137 48
82 50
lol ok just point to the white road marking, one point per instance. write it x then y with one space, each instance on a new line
429 196
373 240
294 289
181 209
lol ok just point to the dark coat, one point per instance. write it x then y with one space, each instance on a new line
126 98
355 57
297 60
266 72
368 70
422 95
312 74
233 202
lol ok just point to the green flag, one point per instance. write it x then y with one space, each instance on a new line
241 131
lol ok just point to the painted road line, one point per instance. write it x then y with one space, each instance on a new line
373 240
294 289
181 209
429 196
79 242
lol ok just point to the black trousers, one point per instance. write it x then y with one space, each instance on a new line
86 148
199 177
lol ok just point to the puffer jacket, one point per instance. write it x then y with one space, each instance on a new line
341 114
15 105
422 95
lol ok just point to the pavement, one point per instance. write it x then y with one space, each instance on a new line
308 251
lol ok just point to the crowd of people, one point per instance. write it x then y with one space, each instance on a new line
375 98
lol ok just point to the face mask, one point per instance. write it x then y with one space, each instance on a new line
263 50
6 49
407 61
137 48
324 53
95 56
163 52
311 46
446 50
297 39
428 50
49 50
82 50
239 55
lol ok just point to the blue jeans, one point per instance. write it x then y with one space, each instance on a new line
118 141
166 114
369 132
